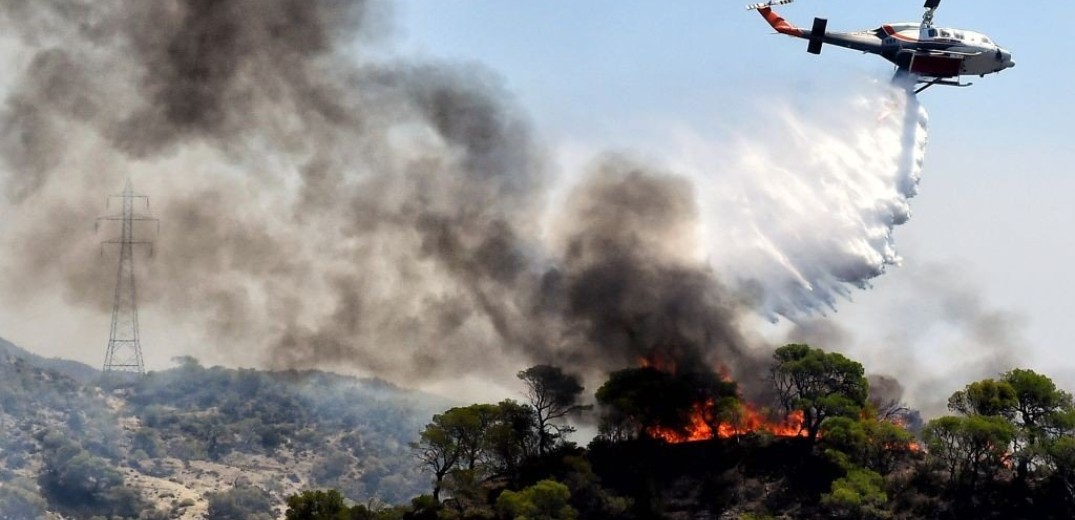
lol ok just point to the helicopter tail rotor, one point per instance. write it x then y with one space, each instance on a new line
771 3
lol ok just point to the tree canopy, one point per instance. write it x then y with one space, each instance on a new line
317 505
553 395
1019 420
546 500
637 401
1008 451
972 448
819 384
477 442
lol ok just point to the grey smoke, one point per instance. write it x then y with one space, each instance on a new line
625 286
323 208
821 332
936 333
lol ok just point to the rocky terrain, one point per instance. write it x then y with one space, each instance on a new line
182 441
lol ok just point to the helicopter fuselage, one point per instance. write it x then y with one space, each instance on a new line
955 52
929 52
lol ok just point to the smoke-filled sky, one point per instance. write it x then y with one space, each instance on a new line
421 189
993 205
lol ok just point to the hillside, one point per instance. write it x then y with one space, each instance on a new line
70 449
80 372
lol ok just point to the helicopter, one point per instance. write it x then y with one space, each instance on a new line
932 55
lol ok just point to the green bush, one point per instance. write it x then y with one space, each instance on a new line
546 500
860 494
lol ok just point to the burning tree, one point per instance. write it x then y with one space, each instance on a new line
861 463
672 407
818 384
643 401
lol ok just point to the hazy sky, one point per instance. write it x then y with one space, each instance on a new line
994 210
989 228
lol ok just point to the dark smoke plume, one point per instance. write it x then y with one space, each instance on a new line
323 207
628 285
337 210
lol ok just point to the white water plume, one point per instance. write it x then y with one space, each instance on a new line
799 216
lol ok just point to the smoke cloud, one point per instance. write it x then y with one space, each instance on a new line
325 208
937 333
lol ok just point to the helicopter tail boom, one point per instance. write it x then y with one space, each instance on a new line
781 25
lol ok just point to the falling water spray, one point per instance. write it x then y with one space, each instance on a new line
804 210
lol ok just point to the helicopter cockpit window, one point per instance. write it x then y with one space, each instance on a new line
933 33
958 35
945 34
987 40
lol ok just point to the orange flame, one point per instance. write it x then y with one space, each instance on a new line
703 424
748 420
658 362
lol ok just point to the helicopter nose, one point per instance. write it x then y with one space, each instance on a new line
1008 61
1004 60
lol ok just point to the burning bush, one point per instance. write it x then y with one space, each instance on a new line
657 404
660 402
1008 454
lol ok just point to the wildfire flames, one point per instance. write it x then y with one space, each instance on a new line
703 425
748 420
709 419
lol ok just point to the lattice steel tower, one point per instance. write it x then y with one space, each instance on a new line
124 355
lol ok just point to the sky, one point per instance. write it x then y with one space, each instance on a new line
993 209
993 212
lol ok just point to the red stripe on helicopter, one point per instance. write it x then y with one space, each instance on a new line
892 32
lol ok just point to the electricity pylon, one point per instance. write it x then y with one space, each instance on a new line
124 355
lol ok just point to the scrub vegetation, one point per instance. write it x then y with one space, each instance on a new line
816 442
